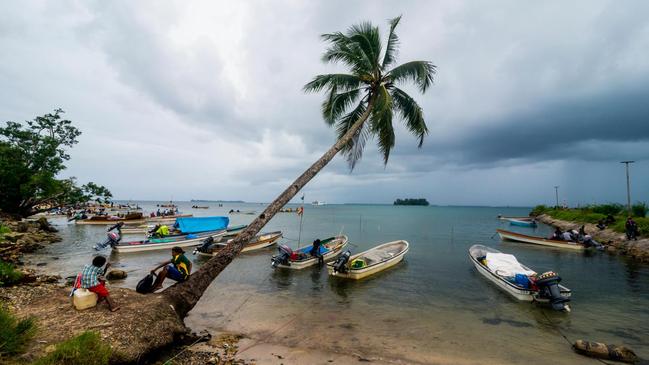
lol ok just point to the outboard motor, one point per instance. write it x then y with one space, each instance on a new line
282 257
206 247
340 265
548 284
112 239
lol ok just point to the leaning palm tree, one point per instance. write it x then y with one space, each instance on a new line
360 105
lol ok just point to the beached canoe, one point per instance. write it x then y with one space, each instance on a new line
369 262
153 244
522 223
301 258
518 280
518 237
260 241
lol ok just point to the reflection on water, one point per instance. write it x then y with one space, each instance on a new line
432 305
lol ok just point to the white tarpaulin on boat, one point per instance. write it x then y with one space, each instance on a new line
505 265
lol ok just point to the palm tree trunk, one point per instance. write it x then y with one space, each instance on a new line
184 296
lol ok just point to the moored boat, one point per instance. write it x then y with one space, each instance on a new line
164 218
134 218
518 237
369 262
302 258
518 280
153 244
522 223
258 242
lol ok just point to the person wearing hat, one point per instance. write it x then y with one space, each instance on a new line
178 268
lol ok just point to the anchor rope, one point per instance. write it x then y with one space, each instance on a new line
558 329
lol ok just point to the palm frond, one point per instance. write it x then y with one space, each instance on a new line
355 152
343 82
367 37
411 113
354 149
337 103
420 72
381 122
345 50
392 45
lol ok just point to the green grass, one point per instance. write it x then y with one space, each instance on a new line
8 274
85 349
592 214
3 230
14 334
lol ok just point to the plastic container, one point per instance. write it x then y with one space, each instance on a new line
84 299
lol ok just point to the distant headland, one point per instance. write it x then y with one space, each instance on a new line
411 201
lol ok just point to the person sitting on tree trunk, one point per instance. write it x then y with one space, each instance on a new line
92 279
178 268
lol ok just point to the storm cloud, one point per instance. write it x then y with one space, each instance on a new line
204 100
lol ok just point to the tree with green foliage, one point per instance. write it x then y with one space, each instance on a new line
31 156
361 104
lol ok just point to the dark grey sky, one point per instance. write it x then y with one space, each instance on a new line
204 100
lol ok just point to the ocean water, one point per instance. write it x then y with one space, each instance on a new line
432 308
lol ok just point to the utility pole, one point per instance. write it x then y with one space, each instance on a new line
556 195
628 186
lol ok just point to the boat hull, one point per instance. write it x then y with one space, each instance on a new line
338 246
141 246
517 237
515 222
259 244
506 286
109 222
357 274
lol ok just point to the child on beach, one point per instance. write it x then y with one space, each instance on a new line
92 279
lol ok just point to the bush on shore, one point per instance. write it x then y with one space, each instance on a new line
85 349
8 274
640 209
14 334
592 214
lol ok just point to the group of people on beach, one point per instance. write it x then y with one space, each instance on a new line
164 213
92 277
574 236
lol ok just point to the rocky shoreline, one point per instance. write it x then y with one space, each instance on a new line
615 242
25 237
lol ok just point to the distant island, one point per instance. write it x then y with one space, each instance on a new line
409 201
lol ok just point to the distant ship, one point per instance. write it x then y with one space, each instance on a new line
315 202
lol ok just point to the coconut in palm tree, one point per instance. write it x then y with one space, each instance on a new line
360 105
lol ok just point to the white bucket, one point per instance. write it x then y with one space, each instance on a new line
84 299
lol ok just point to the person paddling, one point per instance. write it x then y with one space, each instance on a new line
178 268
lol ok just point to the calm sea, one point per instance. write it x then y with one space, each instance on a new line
431 308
